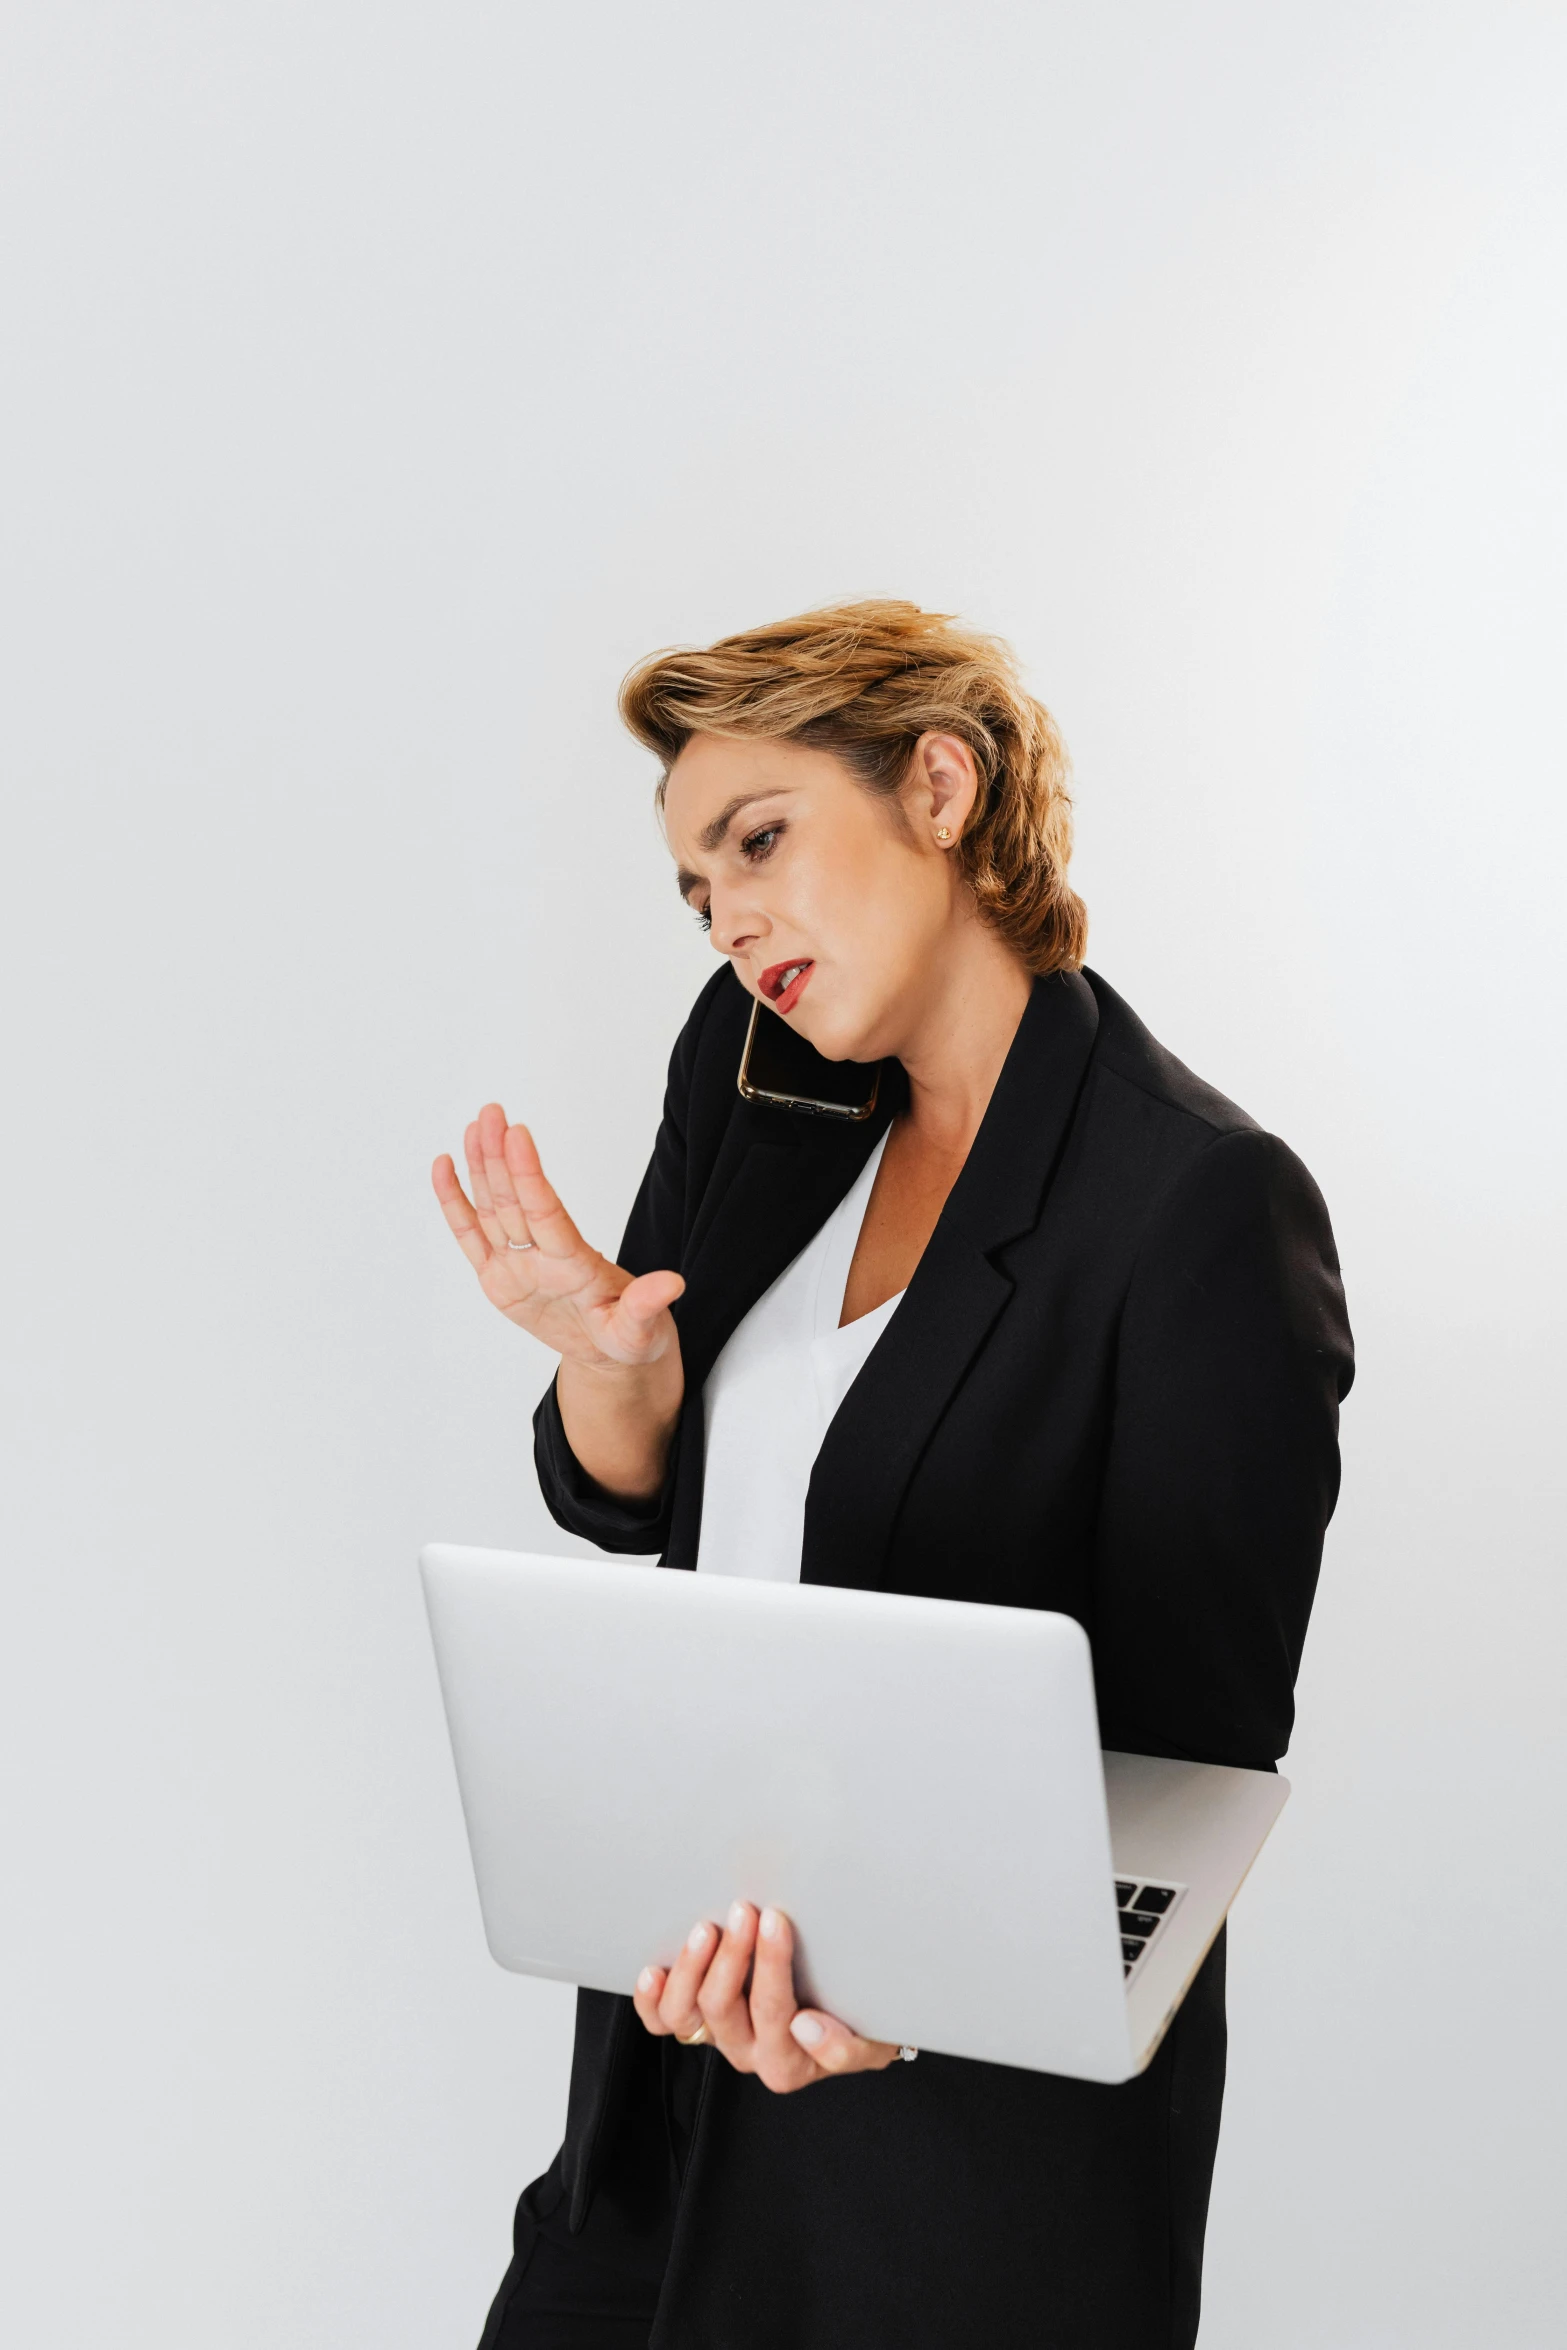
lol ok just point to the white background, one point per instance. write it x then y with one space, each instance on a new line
378 382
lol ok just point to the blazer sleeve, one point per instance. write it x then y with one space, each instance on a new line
1223 1464
654 1238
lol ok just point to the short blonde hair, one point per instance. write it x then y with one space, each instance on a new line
865 681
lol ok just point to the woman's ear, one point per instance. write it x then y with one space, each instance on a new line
943 788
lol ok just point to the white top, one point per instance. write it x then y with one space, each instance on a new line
771 1395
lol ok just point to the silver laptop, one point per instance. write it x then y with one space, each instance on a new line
917 1782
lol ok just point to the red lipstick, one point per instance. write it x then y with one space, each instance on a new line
783 984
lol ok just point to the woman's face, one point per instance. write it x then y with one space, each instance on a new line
833 903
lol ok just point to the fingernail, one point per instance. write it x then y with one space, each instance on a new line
646 1979
772 1924
697 1938
808 2031
737 1917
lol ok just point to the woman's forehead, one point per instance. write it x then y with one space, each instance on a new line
713 776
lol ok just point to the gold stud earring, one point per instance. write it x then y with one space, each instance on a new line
943 832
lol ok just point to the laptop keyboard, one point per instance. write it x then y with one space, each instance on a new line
1143 1908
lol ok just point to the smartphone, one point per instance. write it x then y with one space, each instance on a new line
780 1069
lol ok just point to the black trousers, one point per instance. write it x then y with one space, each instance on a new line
599 2289
937 2205
595 2291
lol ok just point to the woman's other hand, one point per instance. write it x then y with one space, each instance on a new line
621 1380
740 1985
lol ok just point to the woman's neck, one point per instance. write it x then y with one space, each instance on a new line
954 1052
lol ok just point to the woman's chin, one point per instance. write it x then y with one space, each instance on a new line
838 1040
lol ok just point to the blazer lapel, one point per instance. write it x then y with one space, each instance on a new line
790 1172
874 1444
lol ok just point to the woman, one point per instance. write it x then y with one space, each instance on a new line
1054 1326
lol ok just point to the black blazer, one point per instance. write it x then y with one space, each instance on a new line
1111 1387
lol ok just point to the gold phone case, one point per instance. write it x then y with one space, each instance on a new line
857 1113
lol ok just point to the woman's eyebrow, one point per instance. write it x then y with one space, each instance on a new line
711 835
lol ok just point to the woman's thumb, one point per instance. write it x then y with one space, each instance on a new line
650 1295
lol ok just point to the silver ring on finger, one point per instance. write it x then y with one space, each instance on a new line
907 2055
696 2039
522 1244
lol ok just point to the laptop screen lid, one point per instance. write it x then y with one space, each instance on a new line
917 1782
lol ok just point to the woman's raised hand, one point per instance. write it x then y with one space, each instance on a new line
533 1263
621 1381
739 1986
621 1378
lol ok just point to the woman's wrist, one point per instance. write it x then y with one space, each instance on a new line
620 1420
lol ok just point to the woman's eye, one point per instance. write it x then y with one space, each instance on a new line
756 848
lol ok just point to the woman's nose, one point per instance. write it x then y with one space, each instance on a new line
732 929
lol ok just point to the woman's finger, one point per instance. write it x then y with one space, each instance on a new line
645 1998
497 1174
780 2060
548 1221
722 1999
835 2048
458 1211
678 2000
479 1184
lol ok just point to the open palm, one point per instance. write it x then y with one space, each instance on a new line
533 1263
